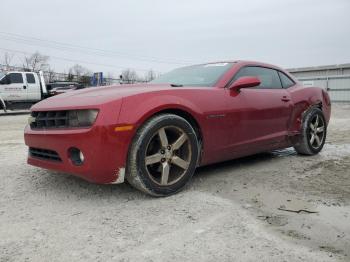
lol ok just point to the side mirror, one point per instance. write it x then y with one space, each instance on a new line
245 82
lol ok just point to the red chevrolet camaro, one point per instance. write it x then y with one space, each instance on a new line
155 135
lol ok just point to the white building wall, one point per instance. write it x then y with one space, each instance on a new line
336 79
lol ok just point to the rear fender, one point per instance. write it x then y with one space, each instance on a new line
304 99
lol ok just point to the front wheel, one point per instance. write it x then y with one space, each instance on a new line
163 155
313 133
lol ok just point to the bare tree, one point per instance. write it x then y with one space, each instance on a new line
7 60
150 75
35 62
70 76
79 70
51 75
129 76
81 74
109 78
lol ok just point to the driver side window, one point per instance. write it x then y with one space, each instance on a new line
16 78
5 80
269 77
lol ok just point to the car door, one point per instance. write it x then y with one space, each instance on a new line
33 87
259 116
14 87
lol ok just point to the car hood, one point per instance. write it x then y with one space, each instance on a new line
95 96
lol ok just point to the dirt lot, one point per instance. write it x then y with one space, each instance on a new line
229 212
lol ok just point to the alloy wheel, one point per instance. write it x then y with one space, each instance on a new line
168 155
316 131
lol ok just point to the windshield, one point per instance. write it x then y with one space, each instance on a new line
197 75
2 75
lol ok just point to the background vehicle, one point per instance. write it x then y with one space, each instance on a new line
157 134
21 89
57 88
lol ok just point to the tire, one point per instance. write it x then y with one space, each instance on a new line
2 105
313 133
163 155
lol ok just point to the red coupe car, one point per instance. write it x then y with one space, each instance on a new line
155 135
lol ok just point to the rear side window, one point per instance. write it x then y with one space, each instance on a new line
269 77
286 81
30 78
16 78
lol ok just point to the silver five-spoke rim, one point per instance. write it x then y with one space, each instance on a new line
168 155
316 133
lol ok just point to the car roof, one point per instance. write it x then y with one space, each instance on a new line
8 72
247 62
240 63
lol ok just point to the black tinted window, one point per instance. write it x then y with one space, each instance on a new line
268 77
16 78
5 80
30 78
286 81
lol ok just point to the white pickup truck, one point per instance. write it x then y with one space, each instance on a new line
21 89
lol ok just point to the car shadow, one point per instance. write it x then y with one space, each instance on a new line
65 184
242 162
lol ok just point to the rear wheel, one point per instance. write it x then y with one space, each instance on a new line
163 155
313 133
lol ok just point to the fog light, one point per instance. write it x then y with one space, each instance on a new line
81 156
76 156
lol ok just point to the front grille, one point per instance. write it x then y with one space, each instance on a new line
44 154
49 119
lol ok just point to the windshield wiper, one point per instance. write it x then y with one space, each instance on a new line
176 85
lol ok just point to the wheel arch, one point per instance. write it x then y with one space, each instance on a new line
189 117
304 99
186 115
317 104
299 114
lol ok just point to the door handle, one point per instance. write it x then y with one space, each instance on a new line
285 99
24 87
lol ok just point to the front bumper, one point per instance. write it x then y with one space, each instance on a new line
105 151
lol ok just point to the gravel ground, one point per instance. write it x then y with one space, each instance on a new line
232 211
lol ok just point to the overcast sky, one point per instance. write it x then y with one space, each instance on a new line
164 34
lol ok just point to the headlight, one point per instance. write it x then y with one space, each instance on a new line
82 118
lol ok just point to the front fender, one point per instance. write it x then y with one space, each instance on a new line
199 103
136 110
